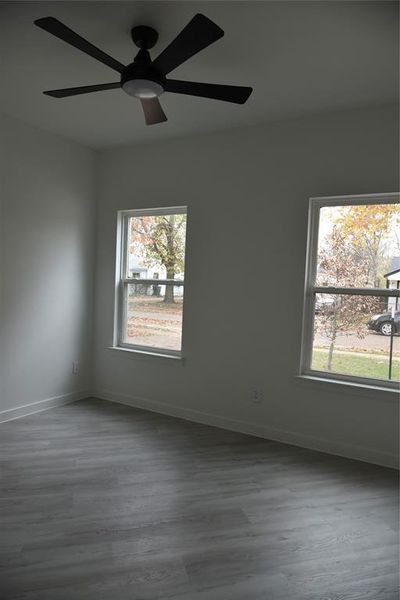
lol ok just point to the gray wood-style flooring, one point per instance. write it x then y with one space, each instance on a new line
100 501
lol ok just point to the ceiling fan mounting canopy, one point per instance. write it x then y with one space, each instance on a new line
144 78
144 37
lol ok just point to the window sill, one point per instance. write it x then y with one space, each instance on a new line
351 388
145 352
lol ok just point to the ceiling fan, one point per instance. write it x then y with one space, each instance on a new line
145 78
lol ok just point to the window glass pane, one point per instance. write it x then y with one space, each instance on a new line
156 247
352 336
359 246
154 315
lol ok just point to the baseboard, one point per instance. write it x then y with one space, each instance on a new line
35 407
361 453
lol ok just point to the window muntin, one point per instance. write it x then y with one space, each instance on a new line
151 280
353 244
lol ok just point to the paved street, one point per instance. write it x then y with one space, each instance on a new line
371 341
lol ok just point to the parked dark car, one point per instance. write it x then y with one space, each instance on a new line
383 323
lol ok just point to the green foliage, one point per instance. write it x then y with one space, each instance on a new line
368 229
160 240
345 313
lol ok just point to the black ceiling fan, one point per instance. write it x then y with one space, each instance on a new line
145 78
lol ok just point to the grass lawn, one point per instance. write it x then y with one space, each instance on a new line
356 363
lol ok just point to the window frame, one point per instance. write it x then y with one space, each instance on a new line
122 281
310 289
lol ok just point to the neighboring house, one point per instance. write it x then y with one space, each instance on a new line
137 270
393 281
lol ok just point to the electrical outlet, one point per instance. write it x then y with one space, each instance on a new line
257 395
75 367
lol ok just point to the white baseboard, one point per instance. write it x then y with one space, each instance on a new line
35 407
361 453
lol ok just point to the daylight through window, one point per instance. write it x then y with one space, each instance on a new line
352 305
151 280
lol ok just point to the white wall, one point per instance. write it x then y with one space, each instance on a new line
247 192
46 266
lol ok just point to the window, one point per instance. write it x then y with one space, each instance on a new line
150 280
351 323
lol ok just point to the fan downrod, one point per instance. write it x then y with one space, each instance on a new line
144 37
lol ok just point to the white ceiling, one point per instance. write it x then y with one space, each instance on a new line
300 57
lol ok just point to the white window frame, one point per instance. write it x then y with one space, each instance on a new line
122 281
310 289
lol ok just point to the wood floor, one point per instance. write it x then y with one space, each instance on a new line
103 502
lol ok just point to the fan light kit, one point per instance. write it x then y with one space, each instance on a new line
142 88
144 78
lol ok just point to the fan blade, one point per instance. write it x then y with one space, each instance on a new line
229 93
199 33
55 27
153 113
85 89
